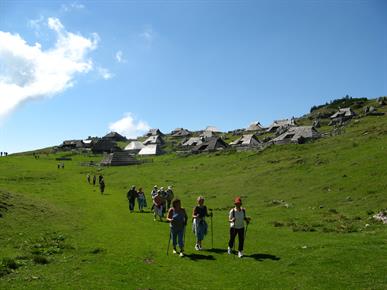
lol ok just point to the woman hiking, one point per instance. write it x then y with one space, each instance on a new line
158 207
199 225
177 217
141 199
237 217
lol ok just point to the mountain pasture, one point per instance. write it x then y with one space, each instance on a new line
311 207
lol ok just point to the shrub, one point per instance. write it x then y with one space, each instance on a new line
40 260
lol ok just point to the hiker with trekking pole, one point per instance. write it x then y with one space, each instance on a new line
177 217
237 218
199 225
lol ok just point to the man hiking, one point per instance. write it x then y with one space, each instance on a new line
169 196
153 195
237 217
132 195
102 186
199 225
177 218
163 195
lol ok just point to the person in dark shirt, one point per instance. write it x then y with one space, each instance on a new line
199 225
132 195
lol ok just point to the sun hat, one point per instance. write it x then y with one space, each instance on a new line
237 200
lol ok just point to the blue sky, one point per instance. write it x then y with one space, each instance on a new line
131 65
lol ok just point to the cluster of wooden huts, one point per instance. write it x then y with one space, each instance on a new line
208 140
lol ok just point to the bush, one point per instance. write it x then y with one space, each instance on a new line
40 260
10 263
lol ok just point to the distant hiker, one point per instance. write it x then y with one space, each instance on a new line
199 225
178 221
94 179
1 154
132 195
158 207
153 194
163 195
88 178
58 165
102 185
141 199
169 196
237 217
100 177
62 165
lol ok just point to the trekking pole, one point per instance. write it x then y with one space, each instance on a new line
182 249
212 232
233 247
169 241
247 225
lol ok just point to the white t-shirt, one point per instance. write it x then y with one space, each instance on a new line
239 218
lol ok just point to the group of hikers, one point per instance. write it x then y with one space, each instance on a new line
3 154
178 218
161 200
101 181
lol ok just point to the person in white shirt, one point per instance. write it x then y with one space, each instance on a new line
237 218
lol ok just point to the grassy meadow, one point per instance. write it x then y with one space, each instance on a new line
311 207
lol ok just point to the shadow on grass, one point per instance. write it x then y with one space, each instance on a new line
216 251
262 257
197 257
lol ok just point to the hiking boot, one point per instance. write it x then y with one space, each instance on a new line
200 247
181 254
197 247
240 254
229 250
174 251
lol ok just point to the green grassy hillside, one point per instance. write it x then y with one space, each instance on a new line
311 207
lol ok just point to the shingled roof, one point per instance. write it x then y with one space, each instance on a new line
249 140
105 145
134 145
154 140
211 144
297 135
114 136
180 132
154 132
256 126
193 141
118 159
151 149
281 123
212 129
344 112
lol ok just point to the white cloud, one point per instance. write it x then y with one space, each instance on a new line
129 126
120 57
104 73
72 6
29 72
36 23
147 35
